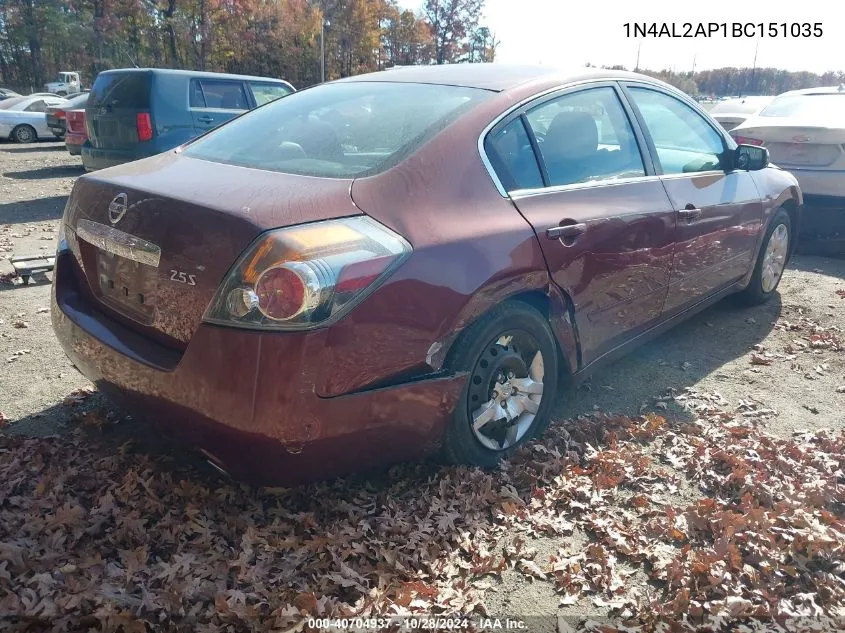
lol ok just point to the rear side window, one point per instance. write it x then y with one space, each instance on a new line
513 158
130 90
37 106
338 130
586 136
265 93
219 94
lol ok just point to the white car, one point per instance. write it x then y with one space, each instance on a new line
23 119
804 131
733 112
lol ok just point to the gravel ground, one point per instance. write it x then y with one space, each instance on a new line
782 356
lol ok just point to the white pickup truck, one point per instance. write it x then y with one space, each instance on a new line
67 83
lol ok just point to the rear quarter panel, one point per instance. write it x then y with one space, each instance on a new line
472 250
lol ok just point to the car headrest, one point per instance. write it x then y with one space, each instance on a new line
572 135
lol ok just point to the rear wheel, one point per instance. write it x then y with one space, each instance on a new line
771 261
24 134
512 358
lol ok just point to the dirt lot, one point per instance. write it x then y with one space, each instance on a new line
764 381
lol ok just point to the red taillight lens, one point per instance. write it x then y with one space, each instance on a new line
281 293
745 140
306 276
60 114
144 126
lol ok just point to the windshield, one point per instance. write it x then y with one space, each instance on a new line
338 130
807 105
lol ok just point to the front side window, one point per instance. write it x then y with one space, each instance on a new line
338 130
684 141
265 93
586 136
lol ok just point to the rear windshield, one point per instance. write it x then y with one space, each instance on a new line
338 130
747 105
807 105
77 101
121 89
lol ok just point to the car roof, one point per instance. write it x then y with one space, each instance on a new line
491 76
195 74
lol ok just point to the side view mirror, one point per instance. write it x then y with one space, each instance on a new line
751 157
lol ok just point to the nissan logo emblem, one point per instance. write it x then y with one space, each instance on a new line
117 208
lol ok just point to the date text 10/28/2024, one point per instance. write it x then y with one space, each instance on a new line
724 29
414 623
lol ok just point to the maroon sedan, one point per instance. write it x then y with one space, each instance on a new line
380 267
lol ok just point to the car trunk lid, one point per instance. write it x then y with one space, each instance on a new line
113 106
155 238
796 144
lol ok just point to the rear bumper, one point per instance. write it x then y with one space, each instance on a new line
247 399
93 159
815 182
74 144
56 126
822 230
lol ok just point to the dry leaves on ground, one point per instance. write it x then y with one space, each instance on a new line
95 536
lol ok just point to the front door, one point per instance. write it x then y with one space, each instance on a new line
719 212
604 222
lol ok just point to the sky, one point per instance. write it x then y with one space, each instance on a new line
561 32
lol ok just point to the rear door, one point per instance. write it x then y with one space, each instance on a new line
603 218
719 212
113 106
215 101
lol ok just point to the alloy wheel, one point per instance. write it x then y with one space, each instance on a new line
24 134
774 258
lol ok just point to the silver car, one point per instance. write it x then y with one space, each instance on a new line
24 119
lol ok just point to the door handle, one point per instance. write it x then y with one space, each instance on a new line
690 213
567 231
205 119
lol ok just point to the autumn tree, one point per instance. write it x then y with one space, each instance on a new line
451 23
482 45
406 39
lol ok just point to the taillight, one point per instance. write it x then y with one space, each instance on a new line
306 276
144 126
60 114
745 140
